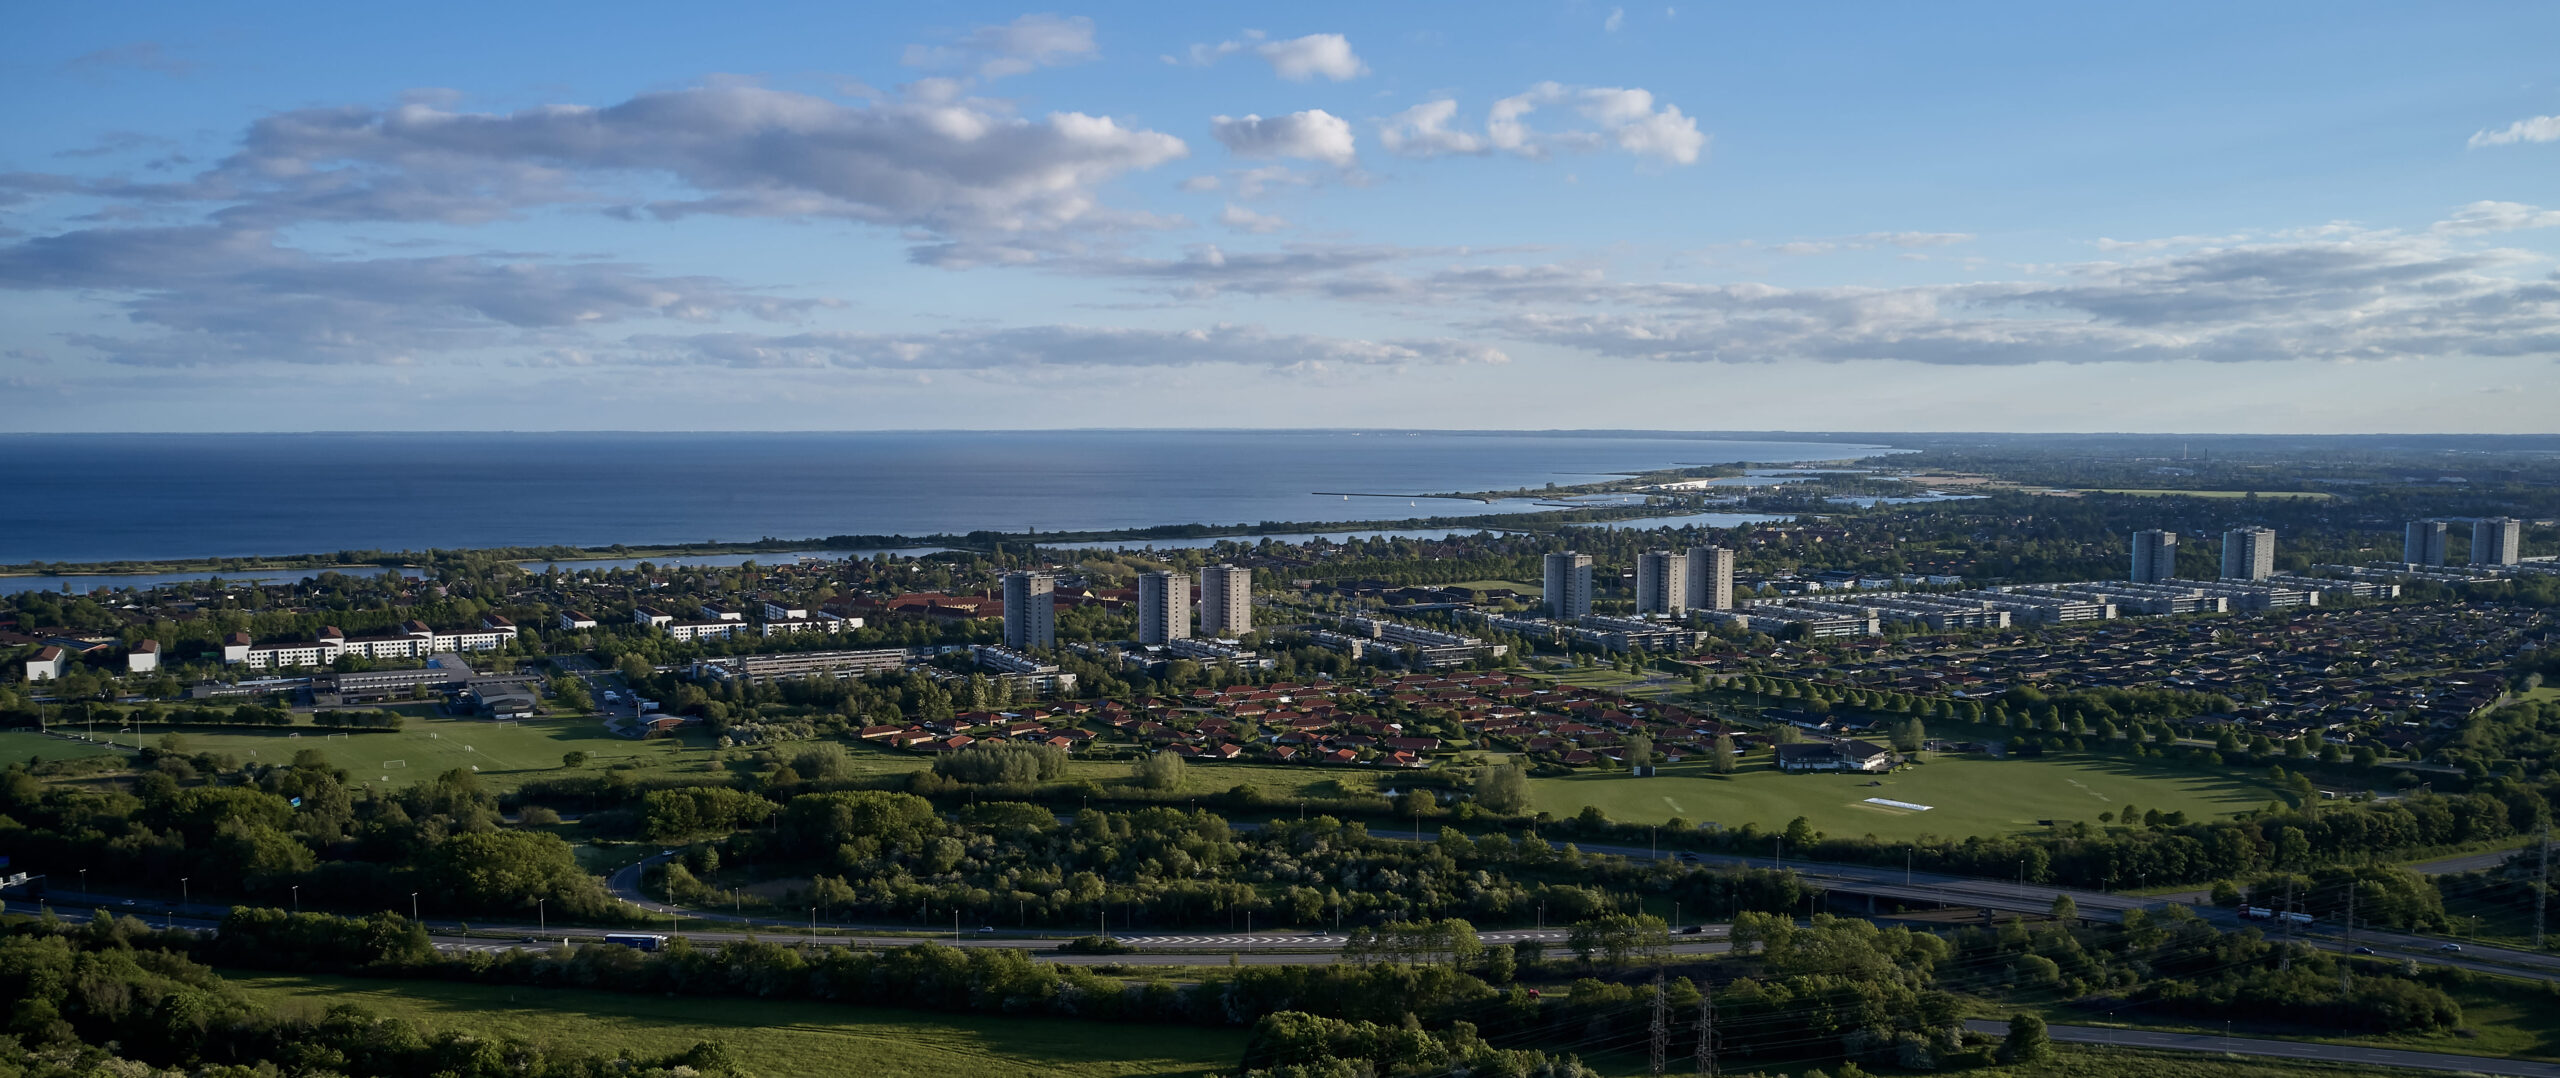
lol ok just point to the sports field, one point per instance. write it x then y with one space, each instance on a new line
17 746
505 754
1966 795
774 1037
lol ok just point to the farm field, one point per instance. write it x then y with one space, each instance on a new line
1967 795
506 755
775 1037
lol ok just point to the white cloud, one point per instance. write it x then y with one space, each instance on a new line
2536 129
1245 220
1029 348
2484 217
1868 241
1624 118
1314 135
1303 58
1026 43
1617 18
1297 59
934 162
219 296
1202 182
1423 131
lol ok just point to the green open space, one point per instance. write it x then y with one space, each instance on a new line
2311 494
774 1037
18 746
2501 1019
1522 587
1967 795
505 754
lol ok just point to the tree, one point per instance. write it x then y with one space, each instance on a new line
1638 750
2064 909
574 758
1503 788
1720 759
1157 771
2026 1042
1909 735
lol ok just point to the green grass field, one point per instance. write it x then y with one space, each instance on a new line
16 746
2311 494
1967 795
773 1037
1522 587
506 755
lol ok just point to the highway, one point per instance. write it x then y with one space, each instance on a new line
2349 1054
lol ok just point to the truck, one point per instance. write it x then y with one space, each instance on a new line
2262 913
638 941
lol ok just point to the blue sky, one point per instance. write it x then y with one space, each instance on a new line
2256 217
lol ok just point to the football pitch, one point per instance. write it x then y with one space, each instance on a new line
1964 795
504 754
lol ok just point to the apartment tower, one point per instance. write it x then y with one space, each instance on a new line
2155 556
2249 553
1568 585
1030 611
1164 607
1226 601
2422 543
1662 583
2497 541
1710 578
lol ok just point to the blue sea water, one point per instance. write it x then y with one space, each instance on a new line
86 498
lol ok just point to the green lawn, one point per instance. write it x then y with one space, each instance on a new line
1967 795
16 746
2312 494
777 1037
1497 585
506 755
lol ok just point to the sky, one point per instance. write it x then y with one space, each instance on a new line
2265 217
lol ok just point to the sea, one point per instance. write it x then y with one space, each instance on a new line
122 497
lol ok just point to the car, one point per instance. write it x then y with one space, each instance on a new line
1692 930
2448 947
527 939
2364 950
986 930
128 902
1689 857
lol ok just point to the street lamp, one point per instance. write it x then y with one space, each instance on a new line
297 900
541 918
413 905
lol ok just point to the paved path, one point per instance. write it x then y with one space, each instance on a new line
2259 1046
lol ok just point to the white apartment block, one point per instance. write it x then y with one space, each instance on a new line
412 640
1662 583
2248 554
1226 601
1030 611
2497 541
1710 578
2155 556
1568 585
1164 607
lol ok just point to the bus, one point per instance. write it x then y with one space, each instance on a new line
638 941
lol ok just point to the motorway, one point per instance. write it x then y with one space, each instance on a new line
2352 1055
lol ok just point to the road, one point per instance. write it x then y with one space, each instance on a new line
2351 1055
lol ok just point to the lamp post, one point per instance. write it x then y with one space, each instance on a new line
413 905
297 900
541 917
